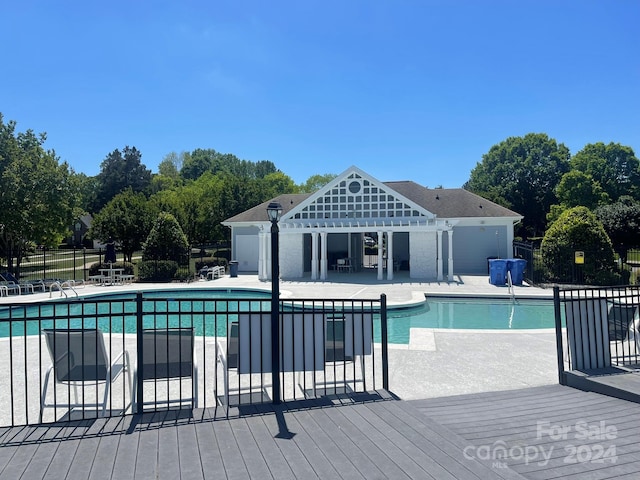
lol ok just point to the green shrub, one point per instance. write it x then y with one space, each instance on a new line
157 270
166 241
578 229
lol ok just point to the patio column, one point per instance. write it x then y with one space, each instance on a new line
314 255
440 275
267 256
323 257
262 256
389 255
450 266
380 254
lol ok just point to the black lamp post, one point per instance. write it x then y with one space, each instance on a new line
274 210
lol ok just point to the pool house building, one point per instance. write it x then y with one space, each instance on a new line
357 223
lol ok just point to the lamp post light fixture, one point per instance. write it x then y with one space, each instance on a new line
274 210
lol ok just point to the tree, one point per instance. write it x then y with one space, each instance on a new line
208 160
171 164
275 184
88 190
621 221
315 182
166 240
39 195
126 219
521 173
578 229
118 171
196 163
614 166
576 189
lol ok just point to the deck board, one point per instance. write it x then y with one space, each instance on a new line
188 448
278 466
209 453
363 437
341 462
252 456
369 459
524 419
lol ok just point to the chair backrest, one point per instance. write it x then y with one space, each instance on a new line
301 342
252 343
620 316
167 353
9 277
78 354
232 346
347 335
588 333
633 334
307 340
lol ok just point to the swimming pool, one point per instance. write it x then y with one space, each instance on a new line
470 313
172 305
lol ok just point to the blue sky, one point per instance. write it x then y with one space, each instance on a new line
405 90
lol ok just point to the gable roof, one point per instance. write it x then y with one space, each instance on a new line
357 196
413 199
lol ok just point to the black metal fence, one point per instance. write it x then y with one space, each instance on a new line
75 263
537 273
60 264
534 271
65 360
597 328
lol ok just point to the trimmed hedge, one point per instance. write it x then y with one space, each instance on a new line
157 270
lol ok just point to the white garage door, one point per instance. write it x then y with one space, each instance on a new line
247 252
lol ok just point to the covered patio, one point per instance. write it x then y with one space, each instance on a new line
432 234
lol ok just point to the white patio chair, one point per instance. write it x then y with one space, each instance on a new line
78 358
248 349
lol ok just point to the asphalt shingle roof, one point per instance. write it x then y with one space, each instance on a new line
443 202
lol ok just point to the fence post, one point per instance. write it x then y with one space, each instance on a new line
384 339
559 349
139 407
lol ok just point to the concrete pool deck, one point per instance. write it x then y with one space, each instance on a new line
437 362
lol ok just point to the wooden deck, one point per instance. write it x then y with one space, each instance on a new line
586 435
364 436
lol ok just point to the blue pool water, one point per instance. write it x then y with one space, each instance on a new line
116 312
470 313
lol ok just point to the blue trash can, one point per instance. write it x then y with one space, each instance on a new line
497 272
233 268
517 270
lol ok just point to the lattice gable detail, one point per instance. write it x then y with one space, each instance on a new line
357 196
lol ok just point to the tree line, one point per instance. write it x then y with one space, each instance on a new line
588 202
41 196
534 175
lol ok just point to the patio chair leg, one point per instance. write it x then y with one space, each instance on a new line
43 400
